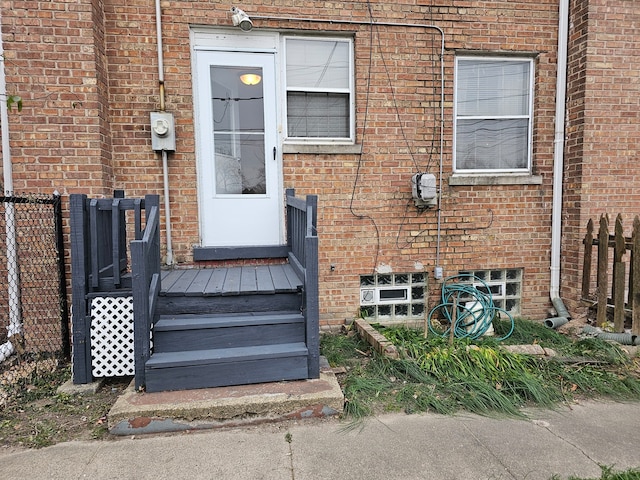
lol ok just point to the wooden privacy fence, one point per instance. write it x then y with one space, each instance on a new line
625 287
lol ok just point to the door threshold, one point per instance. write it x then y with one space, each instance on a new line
237 253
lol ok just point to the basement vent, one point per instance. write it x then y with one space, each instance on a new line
393 298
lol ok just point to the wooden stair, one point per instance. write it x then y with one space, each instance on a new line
227 326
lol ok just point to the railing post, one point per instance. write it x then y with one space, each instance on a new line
81 352
290 192
140 294
145 272
311 287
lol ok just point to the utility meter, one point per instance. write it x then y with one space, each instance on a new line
163 135
423 190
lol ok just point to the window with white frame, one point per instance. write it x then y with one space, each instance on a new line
319 89
493 114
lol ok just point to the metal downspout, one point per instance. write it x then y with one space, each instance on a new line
13 279
165 167
558 166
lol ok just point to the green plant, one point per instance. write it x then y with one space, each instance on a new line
14 100
608 474
482 377
41 435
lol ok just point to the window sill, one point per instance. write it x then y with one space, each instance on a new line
315 148
459 180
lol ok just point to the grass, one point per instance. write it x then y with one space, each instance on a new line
434 376
609 474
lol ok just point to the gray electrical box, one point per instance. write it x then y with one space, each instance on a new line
163 134
423 190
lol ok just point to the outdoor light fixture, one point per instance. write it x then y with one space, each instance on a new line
250 78
241 19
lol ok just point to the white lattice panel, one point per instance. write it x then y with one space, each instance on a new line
112 336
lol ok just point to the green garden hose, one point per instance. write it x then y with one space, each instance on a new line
474 312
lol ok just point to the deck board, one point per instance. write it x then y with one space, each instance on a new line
216 282
232 281
199 283
263 279
248 282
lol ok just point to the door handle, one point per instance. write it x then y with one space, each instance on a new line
274 152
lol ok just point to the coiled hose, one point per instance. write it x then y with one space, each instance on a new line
474 317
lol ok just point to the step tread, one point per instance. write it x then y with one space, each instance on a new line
231 281
224 355
198 321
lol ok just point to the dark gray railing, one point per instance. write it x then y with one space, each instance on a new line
302 239
145 269
99 261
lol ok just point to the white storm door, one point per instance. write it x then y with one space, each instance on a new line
239 186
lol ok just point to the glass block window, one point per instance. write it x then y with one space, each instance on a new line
505 287
393 297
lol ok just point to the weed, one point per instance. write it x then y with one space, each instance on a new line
608 474
480 378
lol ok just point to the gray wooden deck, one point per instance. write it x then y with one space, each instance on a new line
261 279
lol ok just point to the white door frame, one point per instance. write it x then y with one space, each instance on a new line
255 220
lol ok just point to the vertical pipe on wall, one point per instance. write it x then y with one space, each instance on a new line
13 286
558 158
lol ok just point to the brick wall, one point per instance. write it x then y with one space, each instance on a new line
54 61
366 218
602 125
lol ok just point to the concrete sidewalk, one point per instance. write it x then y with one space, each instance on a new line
570 441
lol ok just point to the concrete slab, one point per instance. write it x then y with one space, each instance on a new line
137 413
70 388
571 441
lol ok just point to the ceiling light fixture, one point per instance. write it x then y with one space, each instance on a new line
241 19
250 78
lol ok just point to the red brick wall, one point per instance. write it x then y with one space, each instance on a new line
366 217
603 125
54 61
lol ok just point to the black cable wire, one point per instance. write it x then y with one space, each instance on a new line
364 130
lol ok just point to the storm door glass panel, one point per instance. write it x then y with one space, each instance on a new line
238 130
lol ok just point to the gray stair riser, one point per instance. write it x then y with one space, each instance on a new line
226 374
176 305
227 337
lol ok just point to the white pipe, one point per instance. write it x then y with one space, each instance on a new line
558 157
165 167
13 286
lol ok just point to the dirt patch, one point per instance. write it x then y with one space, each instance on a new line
34 415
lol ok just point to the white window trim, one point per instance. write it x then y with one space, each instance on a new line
352 123
495 172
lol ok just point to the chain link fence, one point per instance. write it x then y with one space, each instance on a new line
34 318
